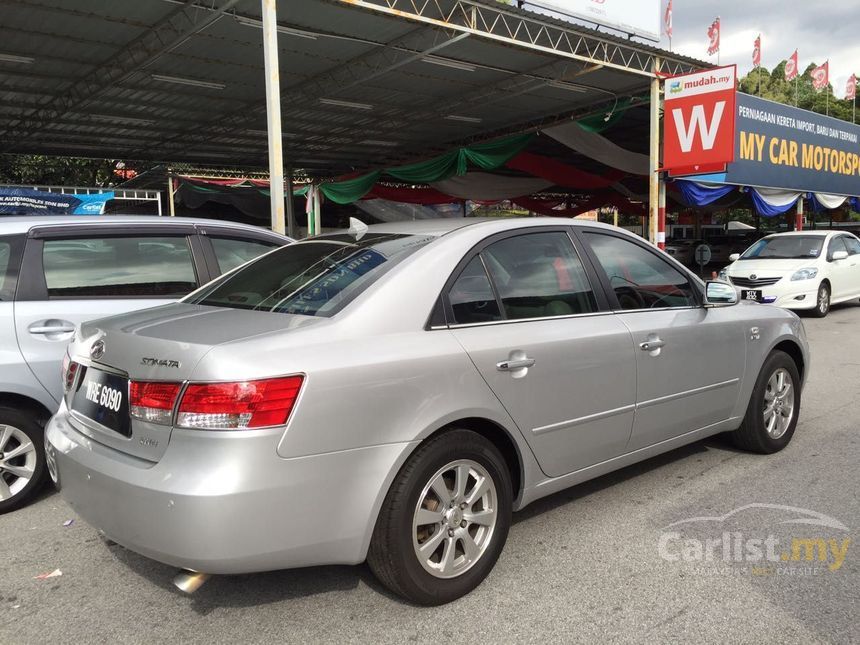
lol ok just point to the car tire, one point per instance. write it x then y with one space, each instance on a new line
432 577
771 415
22 457
822 301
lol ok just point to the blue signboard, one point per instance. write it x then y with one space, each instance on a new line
781 146
25 201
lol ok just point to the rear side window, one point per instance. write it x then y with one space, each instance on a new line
539 275
314 278
536 275
118 267
853 244
471 297
232 252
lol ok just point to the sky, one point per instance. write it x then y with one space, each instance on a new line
818 29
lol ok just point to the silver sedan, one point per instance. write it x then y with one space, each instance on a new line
393 393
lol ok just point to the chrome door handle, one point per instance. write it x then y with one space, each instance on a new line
651 345
507 366
51 329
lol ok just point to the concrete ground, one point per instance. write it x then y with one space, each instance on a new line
582 565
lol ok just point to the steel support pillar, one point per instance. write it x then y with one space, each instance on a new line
273 113
171 193
661 215
291 216
654 157
798 218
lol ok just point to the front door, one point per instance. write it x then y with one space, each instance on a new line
561 366
689 359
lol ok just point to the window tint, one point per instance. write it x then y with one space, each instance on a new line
853 244
314 278
5 257
472 297
119 266
640 278
231 252
539 275
836 244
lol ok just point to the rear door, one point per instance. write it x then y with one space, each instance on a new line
689 359
69 276
524 308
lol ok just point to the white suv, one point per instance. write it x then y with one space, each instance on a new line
57 272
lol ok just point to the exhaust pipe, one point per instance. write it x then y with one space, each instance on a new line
190 581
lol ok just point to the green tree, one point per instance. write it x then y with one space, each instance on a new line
56 171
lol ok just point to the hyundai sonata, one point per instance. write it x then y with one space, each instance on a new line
393 393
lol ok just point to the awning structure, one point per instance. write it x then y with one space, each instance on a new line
364 83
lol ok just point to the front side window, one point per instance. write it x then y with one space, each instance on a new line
640 279
836 244
118 267
314 278
785 247
231 252
539 275
853 244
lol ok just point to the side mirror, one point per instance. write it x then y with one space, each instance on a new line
734 257
720 294
839 255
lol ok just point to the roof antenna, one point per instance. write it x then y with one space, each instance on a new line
357 228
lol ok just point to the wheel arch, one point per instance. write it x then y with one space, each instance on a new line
795 352
24 402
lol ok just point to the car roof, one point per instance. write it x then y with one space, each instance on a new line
17 224
817 233
444 225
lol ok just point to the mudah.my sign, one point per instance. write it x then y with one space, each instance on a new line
699 120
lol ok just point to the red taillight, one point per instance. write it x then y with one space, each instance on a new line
244 404
70 368
153 401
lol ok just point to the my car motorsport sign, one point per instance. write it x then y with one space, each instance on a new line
699 121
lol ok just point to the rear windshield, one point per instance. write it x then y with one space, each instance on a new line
785 247
314 278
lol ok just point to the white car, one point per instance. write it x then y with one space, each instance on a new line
799 270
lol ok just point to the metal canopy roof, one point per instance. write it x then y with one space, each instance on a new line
172 80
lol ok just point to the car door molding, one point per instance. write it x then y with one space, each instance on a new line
570 423
686 393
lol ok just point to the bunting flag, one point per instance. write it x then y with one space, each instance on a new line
714 37
667 20
791 67
851 88
821 76
757 52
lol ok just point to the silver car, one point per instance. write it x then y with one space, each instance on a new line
394 393
59 271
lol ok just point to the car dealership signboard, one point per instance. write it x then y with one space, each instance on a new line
640 18
699 121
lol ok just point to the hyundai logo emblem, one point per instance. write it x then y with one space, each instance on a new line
97 350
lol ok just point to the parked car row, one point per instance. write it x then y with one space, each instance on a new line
56 273
393 393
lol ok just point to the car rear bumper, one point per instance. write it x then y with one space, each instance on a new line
226 503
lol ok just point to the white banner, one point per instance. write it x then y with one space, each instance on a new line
639 17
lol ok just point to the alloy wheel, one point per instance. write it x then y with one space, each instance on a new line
17 461
778 403
454 519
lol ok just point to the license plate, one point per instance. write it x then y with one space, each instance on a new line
751 294
103 397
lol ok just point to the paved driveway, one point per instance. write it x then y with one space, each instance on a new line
579 566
